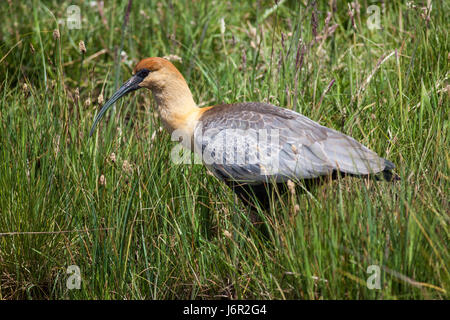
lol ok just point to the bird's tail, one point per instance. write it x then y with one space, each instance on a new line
387 173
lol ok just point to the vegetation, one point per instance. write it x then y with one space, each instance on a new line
141 227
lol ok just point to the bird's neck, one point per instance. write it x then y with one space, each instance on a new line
176 106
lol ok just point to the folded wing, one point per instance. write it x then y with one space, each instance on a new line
254 142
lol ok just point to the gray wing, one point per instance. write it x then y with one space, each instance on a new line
254 142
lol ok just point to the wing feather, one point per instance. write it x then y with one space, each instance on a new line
294 146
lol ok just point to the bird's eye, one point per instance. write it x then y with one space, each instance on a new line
143 73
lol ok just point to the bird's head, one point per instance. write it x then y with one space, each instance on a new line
157 74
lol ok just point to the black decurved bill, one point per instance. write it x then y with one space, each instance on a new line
131 85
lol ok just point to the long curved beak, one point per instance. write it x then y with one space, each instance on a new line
131 85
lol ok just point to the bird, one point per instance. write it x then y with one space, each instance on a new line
251 146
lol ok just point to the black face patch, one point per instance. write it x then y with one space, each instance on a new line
142 73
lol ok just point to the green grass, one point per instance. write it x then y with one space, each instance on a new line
163 231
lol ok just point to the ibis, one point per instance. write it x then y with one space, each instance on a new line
251 146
